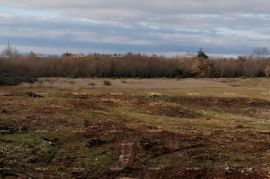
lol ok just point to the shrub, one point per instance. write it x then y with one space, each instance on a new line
107 83
12 80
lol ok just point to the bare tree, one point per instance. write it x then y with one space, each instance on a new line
9 51
32 55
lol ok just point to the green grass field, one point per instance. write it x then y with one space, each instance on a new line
137 128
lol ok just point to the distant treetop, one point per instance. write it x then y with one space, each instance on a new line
202 54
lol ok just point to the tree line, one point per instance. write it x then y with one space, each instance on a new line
135 66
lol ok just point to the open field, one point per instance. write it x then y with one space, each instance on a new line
137 128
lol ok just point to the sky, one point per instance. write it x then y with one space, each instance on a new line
139 26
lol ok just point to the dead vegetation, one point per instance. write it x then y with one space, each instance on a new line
113 134
15 70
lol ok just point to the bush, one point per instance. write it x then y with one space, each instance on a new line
12 80
107 83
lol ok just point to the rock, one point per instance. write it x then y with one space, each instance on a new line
228 170
51 142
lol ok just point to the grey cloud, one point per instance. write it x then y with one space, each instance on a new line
126 25
168 7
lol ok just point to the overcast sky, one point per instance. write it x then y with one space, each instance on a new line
146 26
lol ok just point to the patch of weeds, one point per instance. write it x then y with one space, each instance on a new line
42 149
98 156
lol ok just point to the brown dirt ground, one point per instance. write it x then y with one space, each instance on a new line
67 134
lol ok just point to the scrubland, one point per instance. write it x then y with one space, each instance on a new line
137 128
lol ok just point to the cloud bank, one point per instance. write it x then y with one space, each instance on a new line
152 26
